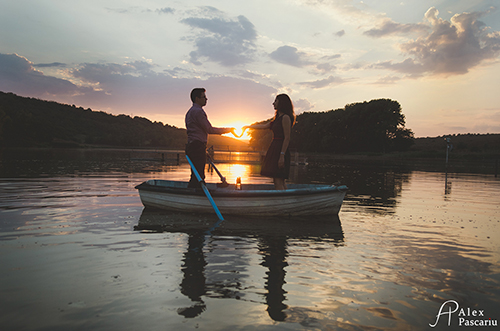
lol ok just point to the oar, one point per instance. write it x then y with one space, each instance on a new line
204 187
222 178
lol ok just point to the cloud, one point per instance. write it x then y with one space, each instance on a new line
165 10
135 88
101 73
322 83
325 67
229 42
178 72
251 75
302 105
162 97
387 80
449 48
49 65
13 63
331 57
347 10
389 27
18 75
340 33
118 10
291 56
408 66
132 10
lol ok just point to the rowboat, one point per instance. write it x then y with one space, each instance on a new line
247 199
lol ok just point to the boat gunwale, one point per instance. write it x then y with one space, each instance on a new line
314 190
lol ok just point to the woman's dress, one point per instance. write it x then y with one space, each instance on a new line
270 165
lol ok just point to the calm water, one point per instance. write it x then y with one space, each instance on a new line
79 252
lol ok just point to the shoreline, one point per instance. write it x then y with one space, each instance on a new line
397 156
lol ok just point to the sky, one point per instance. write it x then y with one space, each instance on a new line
440 59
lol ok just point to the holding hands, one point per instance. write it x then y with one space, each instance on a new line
252 127
233 131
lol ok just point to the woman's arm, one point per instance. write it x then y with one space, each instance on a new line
287 124
258 126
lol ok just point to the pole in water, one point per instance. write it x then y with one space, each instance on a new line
449 147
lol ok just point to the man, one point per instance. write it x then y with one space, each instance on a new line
198 128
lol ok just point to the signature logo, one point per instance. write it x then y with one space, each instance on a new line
466 316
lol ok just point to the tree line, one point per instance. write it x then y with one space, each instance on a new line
373 126
30 122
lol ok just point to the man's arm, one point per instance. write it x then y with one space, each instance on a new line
204 123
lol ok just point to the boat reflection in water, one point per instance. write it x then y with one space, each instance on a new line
228 280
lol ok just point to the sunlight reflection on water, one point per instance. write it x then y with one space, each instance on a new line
402 245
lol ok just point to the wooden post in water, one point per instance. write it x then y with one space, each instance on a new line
449 146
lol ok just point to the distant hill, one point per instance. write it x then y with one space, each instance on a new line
30 122
462 144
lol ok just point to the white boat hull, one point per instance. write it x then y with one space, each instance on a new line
251 200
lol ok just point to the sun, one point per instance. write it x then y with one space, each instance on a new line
238 125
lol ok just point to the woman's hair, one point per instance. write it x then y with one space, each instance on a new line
285 106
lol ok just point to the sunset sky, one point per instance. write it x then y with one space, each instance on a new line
439 59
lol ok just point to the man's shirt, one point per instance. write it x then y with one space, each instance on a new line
198 126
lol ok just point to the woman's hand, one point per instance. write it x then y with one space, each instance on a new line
281 161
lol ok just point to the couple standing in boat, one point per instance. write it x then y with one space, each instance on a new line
277 160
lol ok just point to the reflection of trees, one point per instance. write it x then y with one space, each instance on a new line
370 184
225 277
61 162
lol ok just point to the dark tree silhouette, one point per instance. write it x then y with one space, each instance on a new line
29 122
374 126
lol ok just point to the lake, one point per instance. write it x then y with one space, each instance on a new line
412 246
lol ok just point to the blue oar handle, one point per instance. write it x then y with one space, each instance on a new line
205 189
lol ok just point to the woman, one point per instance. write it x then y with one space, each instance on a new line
277 161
